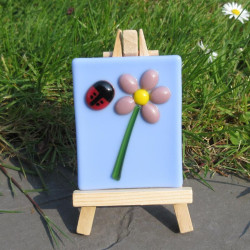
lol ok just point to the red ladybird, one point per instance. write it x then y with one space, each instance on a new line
100 95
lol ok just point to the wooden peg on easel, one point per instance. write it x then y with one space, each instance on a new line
117 52
126 44
120 41
143 50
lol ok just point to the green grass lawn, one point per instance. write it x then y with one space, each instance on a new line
39 39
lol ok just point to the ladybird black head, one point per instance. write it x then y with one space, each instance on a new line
99 95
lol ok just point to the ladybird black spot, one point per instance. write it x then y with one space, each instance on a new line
101 102
91 97
97 104
94 94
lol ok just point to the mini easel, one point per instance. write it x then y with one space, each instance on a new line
126 44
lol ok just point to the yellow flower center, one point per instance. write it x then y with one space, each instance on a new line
141 96
236 12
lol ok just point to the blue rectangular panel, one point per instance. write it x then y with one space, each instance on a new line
154 153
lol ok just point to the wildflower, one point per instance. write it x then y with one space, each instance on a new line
235 10
212 55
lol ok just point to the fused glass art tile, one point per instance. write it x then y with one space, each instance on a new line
107 93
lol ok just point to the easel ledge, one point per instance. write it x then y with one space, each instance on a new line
132 197
126 44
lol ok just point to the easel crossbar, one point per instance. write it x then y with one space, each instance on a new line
130 197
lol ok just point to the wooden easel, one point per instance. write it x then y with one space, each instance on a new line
126 44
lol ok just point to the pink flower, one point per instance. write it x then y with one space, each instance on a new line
139 101
144 97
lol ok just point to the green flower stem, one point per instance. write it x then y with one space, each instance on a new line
116 174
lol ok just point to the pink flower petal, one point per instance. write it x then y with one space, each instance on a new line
125 105
128 83
150 113
160 95
149 79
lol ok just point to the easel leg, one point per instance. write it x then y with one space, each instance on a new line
183 218
85 220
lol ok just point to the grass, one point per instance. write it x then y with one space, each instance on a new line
39 39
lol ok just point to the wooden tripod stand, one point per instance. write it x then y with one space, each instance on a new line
126 44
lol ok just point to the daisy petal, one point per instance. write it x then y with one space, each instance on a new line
149 79
201 45
128 83
125 105
160 95
150 113
241 20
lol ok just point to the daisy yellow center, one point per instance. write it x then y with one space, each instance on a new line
141 96
236 12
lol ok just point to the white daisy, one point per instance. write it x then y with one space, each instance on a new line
201 45
235 10
213 54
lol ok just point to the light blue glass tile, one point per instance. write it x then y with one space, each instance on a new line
154 154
